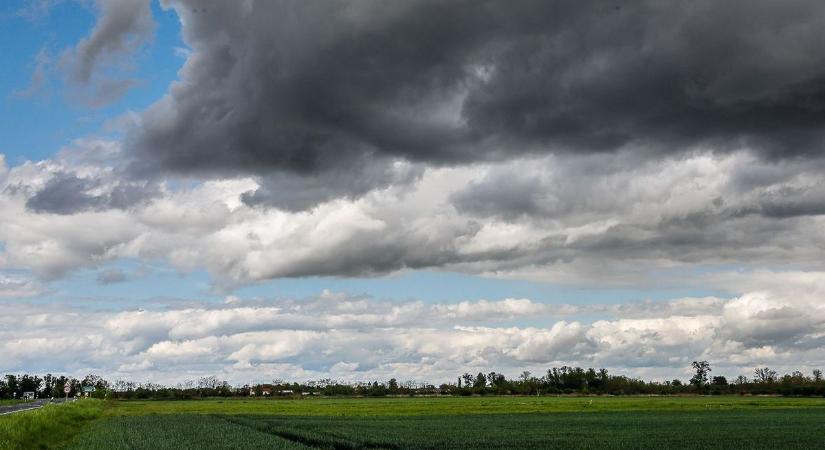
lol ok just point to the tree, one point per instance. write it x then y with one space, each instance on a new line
702 369
817 375
764 375
796 377
11 385
480 383
468 379
29 383
393 385
497 381
719 381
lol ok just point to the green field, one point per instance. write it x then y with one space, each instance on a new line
435 423
405 406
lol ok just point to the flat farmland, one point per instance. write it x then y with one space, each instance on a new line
450 423
643 429
405 406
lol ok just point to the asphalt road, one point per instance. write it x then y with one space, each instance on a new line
10 409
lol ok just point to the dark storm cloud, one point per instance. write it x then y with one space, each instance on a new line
308 87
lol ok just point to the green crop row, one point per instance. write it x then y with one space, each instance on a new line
458 405
743 429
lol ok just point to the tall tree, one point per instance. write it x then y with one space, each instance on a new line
700 378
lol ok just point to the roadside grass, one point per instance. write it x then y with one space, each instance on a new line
363 407
47 427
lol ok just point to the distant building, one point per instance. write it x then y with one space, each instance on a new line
262 390
28 396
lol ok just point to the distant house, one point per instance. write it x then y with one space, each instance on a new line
28 396
285 392
264 391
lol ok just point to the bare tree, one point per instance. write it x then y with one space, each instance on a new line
764 375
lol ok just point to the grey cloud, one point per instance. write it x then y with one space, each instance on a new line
66 193
112 276
505 195
19 287
293 192
792 202
122 27
699 239
108 91
308 87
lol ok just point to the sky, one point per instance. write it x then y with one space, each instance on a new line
363 189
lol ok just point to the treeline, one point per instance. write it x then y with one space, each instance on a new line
46 386
556 381
577 380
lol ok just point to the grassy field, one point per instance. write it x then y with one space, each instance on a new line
434 423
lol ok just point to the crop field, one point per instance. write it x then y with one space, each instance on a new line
451 423
406 406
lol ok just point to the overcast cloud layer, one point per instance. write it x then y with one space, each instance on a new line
608 144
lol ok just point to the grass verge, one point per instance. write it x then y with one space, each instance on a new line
47 427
